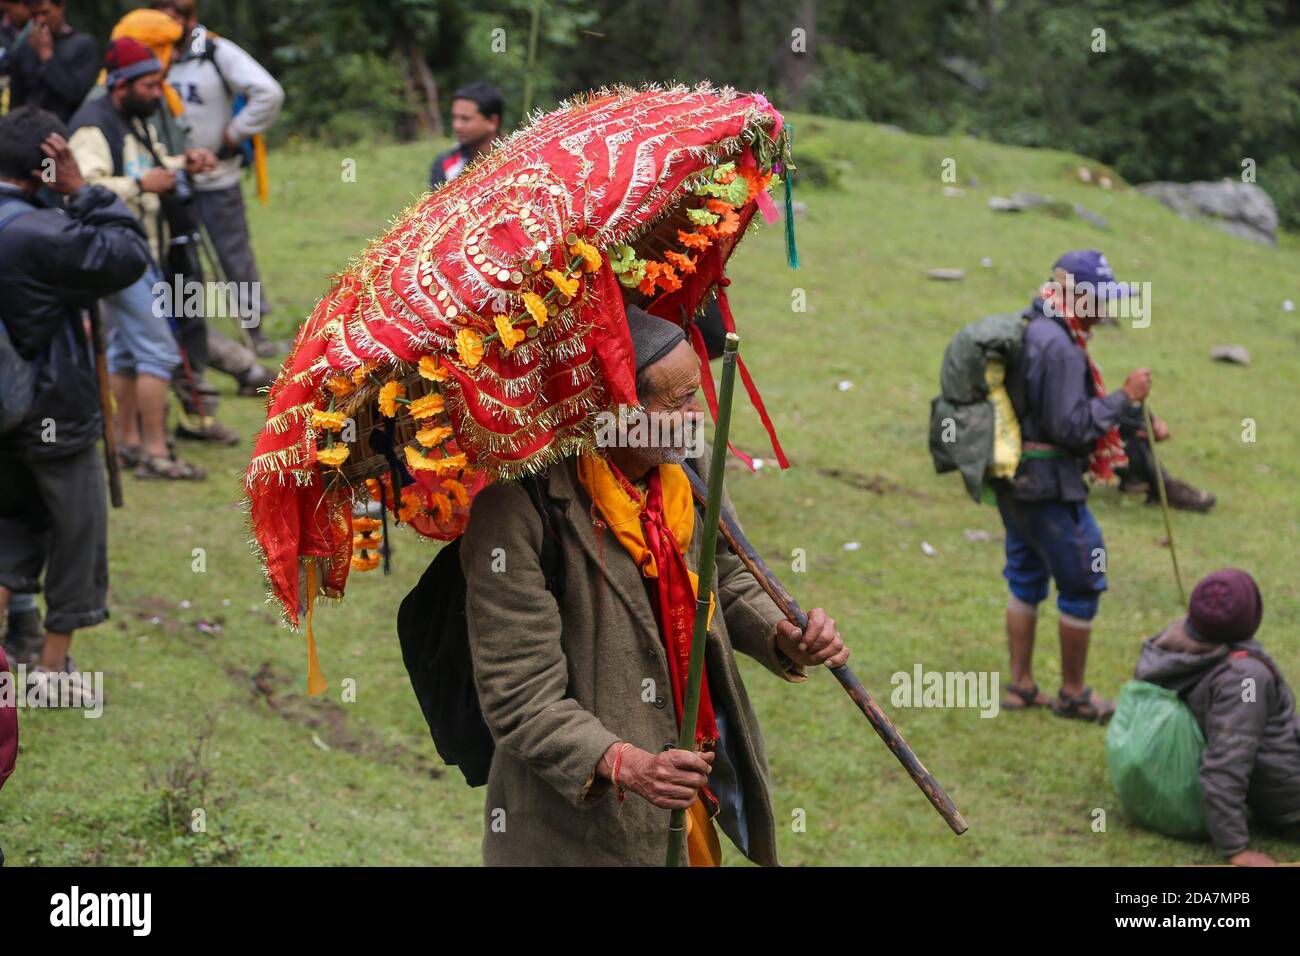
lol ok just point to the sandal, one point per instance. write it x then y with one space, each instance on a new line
1029 697
130 456
171 469
1087 706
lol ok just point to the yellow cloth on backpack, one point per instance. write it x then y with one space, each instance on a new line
1006 427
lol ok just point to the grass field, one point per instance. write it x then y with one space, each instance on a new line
219 721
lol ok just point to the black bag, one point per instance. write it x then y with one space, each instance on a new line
434 634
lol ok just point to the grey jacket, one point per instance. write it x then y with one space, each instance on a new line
1252 741
1057 404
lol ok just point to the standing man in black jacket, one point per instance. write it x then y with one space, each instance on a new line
57 66
53 513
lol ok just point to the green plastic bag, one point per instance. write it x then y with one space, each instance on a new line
1153 748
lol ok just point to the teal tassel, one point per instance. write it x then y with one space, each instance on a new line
791 250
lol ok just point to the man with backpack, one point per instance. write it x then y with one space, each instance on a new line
229 98
53 513
1068 430
116 148
581 684
1243 705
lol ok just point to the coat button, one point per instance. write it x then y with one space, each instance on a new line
660 703
671 745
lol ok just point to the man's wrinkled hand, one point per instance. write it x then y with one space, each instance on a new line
820 643
670 779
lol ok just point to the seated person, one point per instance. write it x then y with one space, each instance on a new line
1139 476
1243 706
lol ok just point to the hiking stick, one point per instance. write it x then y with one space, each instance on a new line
1164 503
708 557
106 407
878 719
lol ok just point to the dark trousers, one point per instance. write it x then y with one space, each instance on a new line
222 213
1141 460
54 524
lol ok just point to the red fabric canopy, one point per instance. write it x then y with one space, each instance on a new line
603 169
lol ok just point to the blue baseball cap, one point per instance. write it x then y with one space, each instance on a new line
1090 266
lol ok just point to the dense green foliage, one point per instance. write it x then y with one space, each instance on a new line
1174 89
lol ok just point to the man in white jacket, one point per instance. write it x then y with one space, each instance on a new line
210 73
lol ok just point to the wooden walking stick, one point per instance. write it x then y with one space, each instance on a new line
106 407
1164 503
708 556
878 719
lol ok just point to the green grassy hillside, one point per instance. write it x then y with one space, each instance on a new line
220 720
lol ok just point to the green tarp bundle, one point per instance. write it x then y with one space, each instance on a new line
963 421
1153 749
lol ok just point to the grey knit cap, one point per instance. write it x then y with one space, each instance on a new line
652 337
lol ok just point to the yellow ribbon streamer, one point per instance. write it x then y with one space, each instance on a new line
702 845
259 169
316 682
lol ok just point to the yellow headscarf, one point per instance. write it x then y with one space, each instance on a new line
160 33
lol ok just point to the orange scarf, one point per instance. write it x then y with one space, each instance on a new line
656 529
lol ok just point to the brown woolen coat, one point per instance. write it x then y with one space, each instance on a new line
558 685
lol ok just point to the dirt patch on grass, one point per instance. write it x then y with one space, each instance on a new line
326 719
876 484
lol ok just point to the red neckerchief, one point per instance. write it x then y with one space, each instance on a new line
1109 451
674 607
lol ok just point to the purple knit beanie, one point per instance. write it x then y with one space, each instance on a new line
1226 607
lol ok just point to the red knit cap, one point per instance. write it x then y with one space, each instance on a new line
128 58
1226 607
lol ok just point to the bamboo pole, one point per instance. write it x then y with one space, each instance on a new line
708 556
1164 503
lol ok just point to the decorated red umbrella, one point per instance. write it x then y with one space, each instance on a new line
479 338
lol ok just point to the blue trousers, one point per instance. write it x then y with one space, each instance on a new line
1058 541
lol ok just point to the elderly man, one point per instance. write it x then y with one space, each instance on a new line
1068 423
582 696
